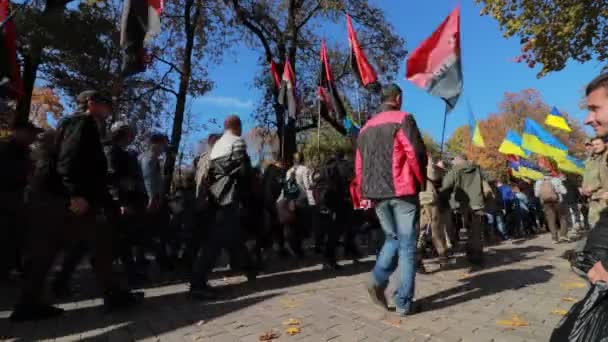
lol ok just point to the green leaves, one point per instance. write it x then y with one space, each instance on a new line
553 32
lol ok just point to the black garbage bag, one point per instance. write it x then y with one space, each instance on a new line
587 320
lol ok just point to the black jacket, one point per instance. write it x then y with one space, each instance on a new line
230 179
125 179
272 184
16 165
79 167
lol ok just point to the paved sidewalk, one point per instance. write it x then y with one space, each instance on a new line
523 282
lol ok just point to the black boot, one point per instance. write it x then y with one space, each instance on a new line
121 299
35 312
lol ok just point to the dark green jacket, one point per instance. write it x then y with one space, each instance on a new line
466 183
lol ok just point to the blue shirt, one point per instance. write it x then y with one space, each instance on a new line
506 195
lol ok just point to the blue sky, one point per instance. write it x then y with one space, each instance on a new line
487 61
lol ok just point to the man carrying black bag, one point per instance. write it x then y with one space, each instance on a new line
588 319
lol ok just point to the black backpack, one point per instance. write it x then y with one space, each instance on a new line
291 189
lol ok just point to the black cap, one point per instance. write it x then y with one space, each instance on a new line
93 95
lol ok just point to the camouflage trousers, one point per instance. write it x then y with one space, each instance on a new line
433 221
595 208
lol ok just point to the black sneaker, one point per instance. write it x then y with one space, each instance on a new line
62 291
204 293
121 299
332 266
25 313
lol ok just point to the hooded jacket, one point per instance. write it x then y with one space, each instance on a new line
466 183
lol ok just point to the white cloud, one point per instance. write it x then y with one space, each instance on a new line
226 101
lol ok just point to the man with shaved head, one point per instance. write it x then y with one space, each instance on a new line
229 178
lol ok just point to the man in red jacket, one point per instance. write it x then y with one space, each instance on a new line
391 171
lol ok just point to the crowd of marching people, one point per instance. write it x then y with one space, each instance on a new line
84 193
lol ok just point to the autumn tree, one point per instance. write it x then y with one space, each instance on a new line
39 24
432 146
553 32
263 143
45 102
289 30
513 111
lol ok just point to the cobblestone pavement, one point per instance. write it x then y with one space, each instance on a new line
526 282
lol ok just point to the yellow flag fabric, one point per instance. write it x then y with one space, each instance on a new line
536 139
477 137
571 165
512 145
557 120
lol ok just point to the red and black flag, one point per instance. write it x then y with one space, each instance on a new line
359 62
287 93
436 66
10 75
329 99
140 20
275 74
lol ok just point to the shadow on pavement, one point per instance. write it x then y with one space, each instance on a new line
285 280
174 311
155 316
486 284
497 257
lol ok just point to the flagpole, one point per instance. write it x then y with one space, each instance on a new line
445 119
283 139
359 105
319 134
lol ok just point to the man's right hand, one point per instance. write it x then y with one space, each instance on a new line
79 205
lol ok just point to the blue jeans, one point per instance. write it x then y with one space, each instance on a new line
497 220
399 218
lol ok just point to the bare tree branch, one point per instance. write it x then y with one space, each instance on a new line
309 16
243 16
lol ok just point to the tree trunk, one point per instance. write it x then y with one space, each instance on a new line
190 24
30 71
52 12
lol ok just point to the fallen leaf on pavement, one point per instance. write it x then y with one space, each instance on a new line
293 331
465 276
269 336
573 285
291 321
289 303
514 322
394 322
569 299
559 312
200 323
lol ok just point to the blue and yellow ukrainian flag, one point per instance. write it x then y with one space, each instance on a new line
512 145
530 170
476 136
525 169
536 139
557 120
572 165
